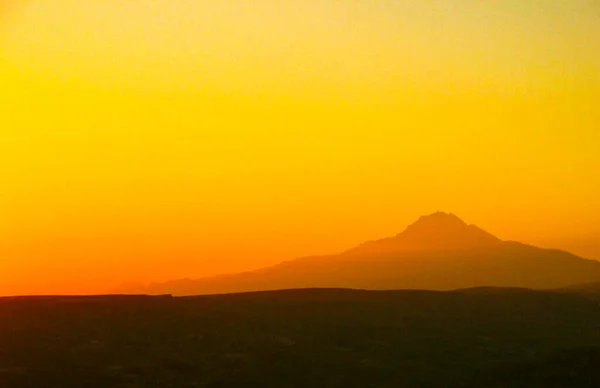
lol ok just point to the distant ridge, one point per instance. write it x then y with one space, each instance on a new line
437 252
592 287
71 298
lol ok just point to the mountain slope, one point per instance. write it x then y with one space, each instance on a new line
438 252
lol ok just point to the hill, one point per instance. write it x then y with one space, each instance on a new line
296 338
438 252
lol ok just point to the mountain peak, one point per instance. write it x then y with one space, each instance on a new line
439 219
444 230
437 231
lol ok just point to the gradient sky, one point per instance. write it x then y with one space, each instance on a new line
150 140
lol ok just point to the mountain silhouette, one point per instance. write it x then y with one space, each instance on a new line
438 231
437 252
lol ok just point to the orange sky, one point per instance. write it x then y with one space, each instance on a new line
151 140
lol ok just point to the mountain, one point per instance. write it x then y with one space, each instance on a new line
438 231
437 252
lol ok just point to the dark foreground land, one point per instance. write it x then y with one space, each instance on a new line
304 338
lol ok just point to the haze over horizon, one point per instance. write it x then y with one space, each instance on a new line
148 141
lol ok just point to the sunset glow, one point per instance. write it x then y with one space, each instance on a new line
144 141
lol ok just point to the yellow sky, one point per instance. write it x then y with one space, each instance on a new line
149 140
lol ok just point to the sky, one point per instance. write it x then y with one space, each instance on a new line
151 140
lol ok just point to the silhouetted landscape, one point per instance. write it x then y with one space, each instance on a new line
492 330
243 194
483 337
438 252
